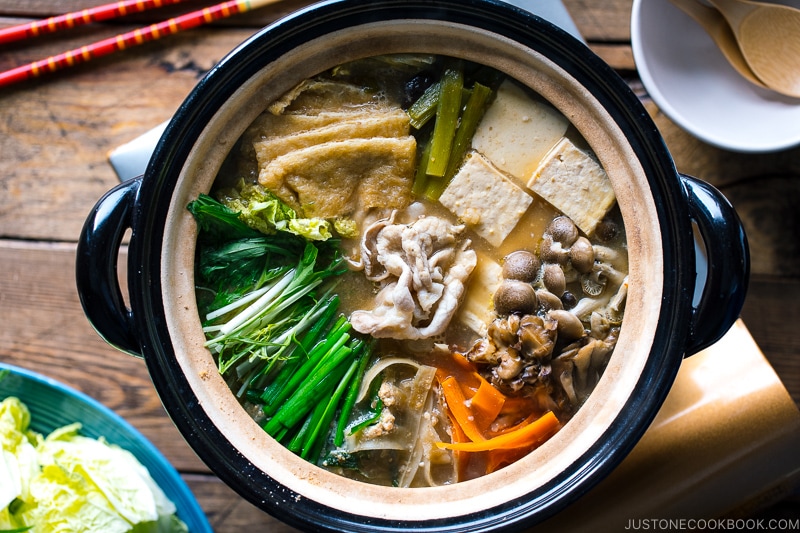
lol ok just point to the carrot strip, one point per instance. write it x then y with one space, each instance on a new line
497 459
528 435
458 406
486 404
461 458
463 362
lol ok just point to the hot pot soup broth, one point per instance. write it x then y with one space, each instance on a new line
411 270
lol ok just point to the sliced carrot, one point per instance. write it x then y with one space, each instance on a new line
461 458
486 404
463 362
518 404
497 459
528 435
457 404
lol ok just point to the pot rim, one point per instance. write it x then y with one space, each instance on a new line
517 25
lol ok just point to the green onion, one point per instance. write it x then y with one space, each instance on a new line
297 338
284 386
313 445
295 445
311 391
352 395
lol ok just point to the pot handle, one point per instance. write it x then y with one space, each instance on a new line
720 298
96 267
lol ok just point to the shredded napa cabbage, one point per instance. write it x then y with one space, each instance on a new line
65 482
262 210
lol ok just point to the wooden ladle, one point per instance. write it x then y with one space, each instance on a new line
718 29
769 39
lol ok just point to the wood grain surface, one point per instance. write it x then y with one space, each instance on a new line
55 136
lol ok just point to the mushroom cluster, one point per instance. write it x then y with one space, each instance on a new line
558 317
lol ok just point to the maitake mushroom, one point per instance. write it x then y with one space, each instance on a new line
547 343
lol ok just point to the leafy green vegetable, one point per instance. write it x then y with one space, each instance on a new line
261 210
470 118
262 330
218 222
424 108
447 113
67 482
271 321
456 104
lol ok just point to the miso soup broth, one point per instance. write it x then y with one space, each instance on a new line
411 270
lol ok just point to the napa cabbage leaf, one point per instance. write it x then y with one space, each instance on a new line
68 482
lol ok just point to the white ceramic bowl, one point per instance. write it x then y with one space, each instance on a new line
693 84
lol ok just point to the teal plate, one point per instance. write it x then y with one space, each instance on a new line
53 404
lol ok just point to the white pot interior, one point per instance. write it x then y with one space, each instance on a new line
559 453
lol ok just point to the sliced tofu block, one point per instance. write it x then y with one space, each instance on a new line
575 184
485 199
477 309
517 131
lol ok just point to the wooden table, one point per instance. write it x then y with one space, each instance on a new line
55 135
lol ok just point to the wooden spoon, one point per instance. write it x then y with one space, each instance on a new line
717 27
769 38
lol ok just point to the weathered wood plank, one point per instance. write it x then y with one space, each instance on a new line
55 134
607 21
227 512
45 330
618 56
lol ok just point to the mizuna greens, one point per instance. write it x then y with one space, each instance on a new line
271 318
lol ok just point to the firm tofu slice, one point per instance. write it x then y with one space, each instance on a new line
575 184
517 131
485 199
477 309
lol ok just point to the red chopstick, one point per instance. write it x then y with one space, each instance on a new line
77 18
129 39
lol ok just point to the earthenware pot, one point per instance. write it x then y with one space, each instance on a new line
669 314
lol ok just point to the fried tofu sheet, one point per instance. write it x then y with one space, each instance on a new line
332 163
337 178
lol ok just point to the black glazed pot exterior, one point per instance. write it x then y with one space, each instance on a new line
142 205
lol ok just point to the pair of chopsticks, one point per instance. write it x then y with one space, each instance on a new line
112 44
